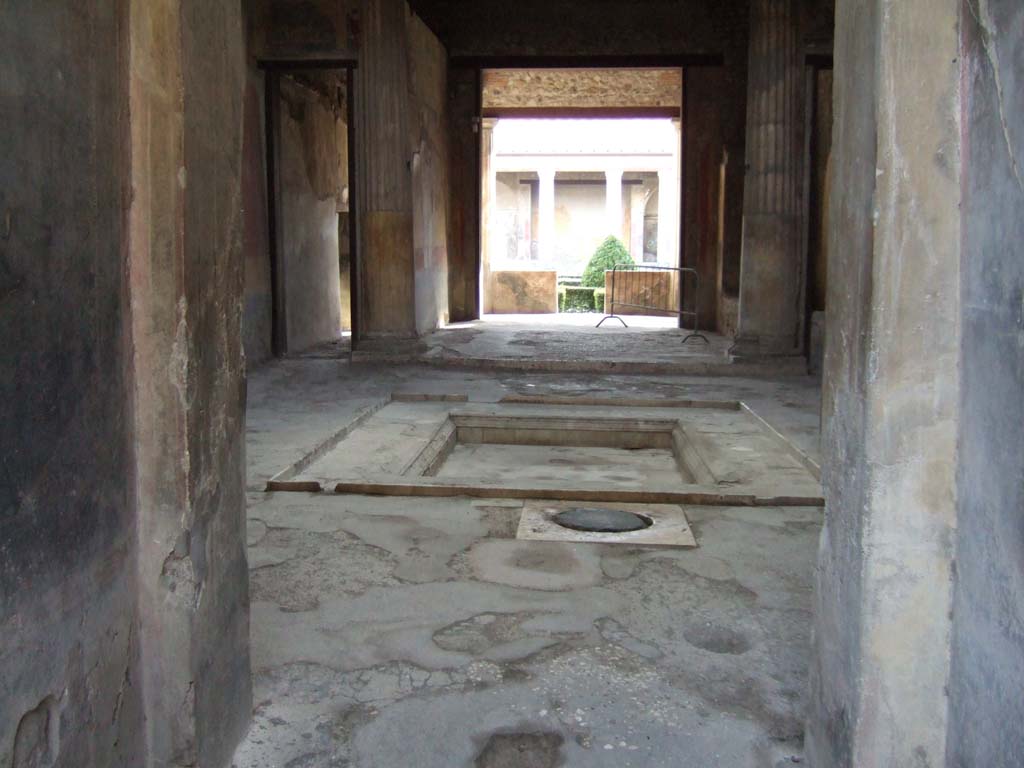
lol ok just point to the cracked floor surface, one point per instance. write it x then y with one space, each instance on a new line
419 632
574 337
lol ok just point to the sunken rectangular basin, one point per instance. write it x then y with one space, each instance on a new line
643 452
620 452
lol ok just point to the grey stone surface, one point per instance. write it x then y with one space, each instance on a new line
571 465
295 405
213 77
986 706
892 387
397 631
186 82
640 657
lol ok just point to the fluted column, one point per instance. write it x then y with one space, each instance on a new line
383 177
772 267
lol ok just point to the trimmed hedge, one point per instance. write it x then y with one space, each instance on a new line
608 254
599 294
576 299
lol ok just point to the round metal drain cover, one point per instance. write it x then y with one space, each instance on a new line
595 520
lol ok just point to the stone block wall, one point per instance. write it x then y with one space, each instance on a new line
581 88
524 293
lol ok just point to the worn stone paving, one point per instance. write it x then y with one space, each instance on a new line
574 337
419 632
294 405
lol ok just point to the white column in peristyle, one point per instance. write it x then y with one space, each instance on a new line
546 219
668 218
613 202
488 225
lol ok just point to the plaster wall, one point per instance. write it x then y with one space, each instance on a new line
313 172
514 224
213 76
257 319
428 133
581 224
69 646
891 394
986 707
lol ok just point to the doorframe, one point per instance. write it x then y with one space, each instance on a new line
683 62
272 69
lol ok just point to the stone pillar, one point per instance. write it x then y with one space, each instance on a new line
892 394
383 173
546 219
987 664
668 218
487 205
613 202
185 275
772 270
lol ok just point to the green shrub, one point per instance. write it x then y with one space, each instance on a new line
599 294
578 299
608 254
561 298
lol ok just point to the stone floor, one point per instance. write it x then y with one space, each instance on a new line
564 343
571 465
419 632
572 342
573 337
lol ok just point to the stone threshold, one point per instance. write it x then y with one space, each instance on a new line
429 487
719 366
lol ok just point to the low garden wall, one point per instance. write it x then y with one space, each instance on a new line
524 293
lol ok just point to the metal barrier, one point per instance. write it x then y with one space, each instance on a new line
639 286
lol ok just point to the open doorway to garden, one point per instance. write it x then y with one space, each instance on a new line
580 194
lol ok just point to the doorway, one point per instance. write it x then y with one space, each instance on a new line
312 223
580 174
